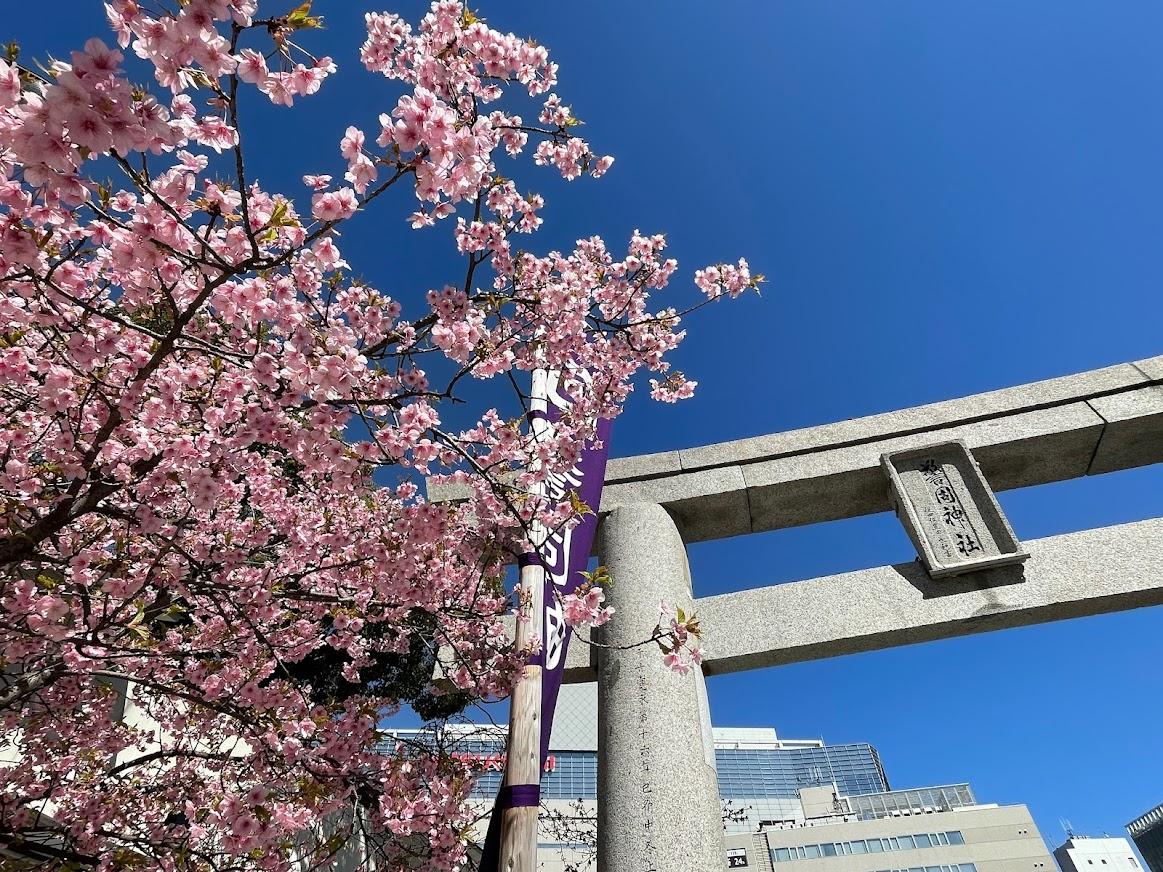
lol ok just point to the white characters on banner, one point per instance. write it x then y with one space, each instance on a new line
555 548
554 635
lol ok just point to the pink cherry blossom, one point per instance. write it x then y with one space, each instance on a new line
672 389
602 166
213 425
334 205
351 146
252 67
245 826
361 173
9 85
584 608
726 279
676 663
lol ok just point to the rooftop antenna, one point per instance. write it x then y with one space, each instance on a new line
1067 827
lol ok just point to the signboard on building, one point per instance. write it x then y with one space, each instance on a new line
736 858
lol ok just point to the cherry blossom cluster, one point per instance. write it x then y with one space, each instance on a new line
727 279
209 599
282 86
678 635
440 122
673 388
85 110
583 608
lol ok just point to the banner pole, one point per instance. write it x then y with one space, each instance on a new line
518 848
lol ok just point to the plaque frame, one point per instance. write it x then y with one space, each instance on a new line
984 515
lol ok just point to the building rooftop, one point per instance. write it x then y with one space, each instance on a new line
1145 822
1075 837
882 804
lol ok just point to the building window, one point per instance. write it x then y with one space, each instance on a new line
877 846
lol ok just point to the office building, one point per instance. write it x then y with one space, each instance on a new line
940 829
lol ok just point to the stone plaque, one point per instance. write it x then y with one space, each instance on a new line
949 510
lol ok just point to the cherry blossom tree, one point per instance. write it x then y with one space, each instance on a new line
198 402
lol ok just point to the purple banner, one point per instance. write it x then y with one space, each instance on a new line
565 554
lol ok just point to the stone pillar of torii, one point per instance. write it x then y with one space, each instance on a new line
658 797
938 467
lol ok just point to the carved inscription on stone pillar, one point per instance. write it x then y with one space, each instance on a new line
949 510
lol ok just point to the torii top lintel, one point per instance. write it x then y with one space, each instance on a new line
1092 422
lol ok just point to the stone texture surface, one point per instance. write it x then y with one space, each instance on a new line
1152 367
1014 451
642 466
706 504
1076 574
928 417
659 809
1069 576
1133 435
444 493
1035 447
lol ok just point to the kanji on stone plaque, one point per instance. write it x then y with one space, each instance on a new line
949 510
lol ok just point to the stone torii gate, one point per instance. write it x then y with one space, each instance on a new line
658 799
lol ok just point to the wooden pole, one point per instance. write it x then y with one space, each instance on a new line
518 850
523 763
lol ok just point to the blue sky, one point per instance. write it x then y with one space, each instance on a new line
947 198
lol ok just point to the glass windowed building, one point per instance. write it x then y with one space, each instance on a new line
762 779
780 771
760 775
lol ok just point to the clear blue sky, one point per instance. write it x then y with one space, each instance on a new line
947 198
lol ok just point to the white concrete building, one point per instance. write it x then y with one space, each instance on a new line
1097 854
